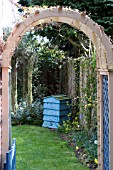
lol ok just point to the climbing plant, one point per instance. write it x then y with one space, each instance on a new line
84 112
88 93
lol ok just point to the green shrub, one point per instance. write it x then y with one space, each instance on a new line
28 114
87 141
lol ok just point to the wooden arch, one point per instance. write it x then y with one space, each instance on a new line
73 18
104 66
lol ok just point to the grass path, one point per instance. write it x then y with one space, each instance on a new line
39 148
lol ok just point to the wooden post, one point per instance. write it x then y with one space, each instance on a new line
10 129
1 20
110 93
0 118
1 38
5 112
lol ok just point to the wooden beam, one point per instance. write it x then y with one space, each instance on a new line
5 112
0 118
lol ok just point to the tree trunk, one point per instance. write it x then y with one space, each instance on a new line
25 80
81 94
83 85
71 79
14 85
30 71
60 81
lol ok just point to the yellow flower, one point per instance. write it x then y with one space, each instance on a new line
77 147
96 161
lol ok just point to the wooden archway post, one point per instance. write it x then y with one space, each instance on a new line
5 112
104 67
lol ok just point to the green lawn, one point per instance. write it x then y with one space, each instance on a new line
39 148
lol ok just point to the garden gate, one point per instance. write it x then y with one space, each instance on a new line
10 162
104 71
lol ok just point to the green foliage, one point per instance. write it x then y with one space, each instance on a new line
87 141
88 102
61 35
26 51
84 108
71 124
47 60
39 89
47 63
31 114
85 120
46 73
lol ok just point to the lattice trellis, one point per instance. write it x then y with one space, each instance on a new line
105 122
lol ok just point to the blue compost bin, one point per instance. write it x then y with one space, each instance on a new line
56 110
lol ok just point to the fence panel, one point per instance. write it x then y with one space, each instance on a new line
106 122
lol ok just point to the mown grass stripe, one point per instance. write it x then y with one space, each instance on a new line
39 148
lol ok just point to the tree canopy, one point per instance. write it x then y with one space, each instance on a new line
101 11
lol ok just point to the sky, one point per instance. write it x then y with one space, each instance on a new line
9 12
8 15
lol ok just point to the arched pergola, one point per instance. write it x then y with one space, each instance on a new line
104 71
